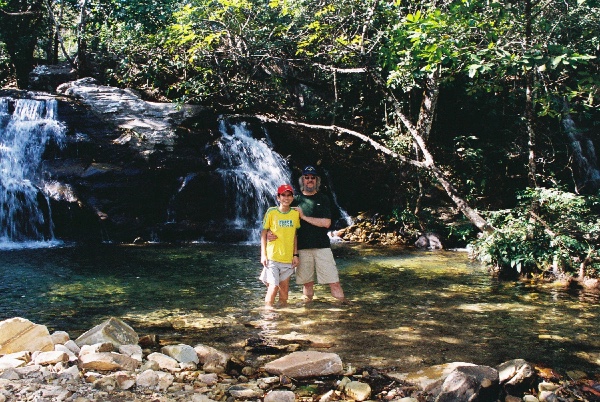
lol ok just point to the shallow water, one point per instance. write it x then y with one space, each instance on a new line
411 309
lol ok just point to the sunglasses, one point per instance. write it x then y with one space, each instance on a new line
309 177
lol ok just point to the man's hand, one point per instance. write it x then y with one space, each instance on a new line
271 236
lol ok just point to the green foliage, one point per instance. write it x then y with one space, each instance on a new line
562 232
5 65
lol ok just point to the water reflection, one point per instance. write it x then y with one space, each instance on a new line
410 309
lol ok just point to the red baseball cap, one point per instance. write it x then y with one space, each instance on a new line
283 188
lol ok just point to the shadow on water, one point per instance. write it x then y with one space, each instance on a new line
411 309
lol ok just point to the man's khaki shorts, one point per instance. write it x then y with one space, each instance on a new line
320 260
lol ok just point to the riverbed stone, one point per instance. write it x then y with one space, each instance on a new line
107 361
60 337
181 353
18 334
165 362
431 378
113 330
280 396
62 348
517 376
470 383
244 391
133 351
359 391
212 360
147 379
306 364
52 357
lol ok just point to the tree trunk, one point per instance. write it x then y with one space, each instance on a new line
529 108
82 63
425 121
19 31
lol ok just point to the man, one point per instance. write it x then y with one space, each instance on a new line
314 246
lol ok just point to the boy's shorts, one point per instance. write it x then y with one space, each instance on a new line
276 272
319 259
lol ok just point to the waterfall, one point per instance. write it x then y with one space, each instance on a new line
251 173
25 216
587 174
345 219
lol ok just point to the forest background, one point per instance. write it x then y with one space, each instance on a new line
492 104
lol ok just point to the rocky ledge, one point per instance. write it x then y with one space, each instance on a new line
111 362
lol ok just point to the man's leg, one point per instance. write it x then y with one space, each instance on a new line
308 291
337 291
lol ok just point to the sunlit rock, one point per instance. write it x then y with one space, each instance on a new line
181 353
62 348
430 378
213 360
280 396
124 379
18 334
359 391
96 348
147 379
165 362
429 241
470 383
14 360
70 373
164 380
60 337
244 392
133 351
306 364
516 376
107 361
112 330
53 357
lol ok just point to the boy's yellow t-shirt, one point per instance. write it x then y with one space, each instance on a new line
283 225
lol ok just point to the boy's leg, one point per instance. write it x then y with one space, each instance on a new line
284 288
270 296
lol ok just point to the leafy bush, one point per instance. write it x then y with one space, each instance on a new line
550 231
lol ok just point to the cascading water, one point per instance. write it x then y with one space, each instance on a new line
25 216
251 172
587 178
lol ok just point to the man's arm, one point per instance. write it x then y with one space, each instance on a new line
320 222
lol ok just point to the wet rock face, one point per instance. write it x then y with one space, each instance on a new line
47 78
119 175
131 170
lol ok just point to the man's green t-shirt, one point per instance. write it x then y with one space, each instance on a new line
317 206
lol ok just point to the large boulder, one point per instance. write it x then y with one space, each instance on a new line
113 331
19 334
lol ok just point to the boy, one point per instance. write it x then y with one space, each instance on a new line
279 257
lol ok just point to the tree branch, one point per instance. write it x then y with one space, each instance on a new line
341 130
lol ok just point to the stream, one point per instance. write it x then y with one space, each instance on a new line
411 309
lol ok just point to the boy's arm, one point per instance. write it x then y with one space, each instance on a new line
263 247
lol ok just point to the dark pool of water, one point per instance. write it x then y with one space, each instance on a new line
411 309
